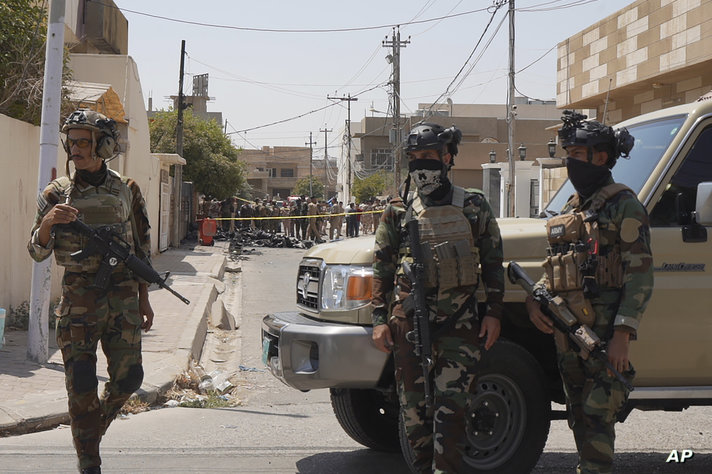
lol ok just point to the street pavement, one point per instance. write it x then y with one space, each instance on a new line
33 395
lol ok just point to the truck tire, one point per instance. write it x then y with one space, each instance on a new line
509 416
369 416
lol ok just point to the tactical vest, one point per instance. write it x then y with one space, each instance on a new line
575 267
106 205
451 258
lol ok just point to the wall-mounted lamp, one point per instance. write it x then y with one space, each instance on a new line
552 147
522 152
493 156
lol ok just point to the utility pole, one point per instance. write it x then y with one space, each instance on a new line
178 175
37 335
348 100
396 44
510 115
311 155
179 125
326 158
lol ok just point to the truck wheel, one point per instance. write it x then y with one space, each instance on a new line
369 416
509 416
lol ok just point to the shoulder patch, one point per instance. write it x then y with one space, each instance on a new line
474 196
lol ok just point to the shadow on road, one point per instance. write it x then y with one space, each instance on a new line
353 462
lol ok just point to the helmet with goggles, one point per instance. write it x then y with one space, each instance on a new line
577 131
104 132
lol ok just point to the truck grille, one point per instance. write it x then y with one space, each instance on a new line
308 284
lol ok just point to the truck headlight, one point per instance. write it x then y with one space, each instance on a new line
346 287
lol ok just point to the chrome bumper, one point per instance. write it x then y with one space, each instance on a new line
307 354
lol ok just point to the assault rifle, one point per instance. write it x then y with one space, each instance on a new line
104 241
420 335
555 307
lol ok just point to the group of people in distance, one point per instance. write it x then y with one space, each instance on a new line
302 217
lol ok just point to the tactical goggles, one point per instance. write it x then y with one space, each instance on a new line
80 142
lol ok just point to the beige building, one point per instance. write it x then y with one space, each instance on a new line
652 54
484 128
274 171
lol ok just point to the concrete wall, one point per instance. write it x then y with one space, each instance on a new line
19 158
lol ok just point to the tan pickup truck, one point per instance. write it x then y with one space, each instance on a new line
326 342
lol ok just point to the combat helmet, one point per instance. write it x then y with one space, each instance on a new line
577 131
431 136
104 133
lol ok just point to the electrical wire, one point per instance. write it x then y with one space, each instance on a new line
496 7
288 30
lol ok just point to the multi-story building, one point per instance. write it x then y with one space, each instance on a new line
485 137
651 54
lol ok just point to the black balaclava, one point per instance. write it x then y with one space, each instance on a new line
586 177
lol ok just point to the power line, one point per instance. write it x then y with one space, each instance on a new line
496 7
302 115
288 30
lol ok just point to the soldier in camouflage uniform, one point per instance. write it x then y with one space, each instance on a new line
86 314
608 288
460 223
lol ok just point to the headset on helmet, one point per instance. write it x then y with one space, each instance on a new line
577 131
103 130
431 136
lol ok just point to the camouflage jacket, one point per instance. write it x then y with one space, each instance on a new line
55 192
622 222
391 239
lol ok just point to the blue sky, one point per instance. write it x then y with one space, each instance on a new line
260 77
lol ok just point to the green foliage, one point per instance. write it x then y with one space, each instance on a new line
211 160
302 187
369 187
23 32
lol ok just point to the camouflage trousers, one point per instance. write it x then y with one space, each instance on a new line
437 436
85 317
594 400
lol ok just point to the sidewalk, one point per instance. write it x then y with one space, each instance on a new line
33 396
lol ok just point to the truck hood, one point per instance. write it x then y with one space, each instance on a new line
524 239
356 251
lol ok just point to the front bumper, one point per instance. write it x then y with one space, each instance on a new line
306 354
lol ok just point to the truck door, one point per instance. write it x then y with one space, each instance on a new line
675 335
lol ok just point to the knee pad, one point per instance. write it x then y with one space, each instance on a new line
133 379
84 376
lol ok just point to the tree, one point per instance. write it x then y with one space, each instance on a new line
211 160
302 187
369 187
23 32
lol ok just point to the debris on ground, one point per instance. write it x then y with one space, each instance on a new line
195 388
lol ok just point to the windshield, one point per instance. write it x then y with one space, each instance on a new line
651 141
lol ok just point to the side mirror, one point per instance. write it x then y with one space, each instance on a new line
703 206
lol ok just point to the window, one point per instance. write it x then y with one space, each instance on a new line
382 158
272 172
286 173
681 193
651 140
